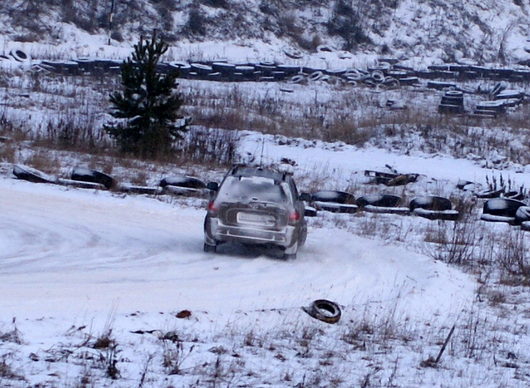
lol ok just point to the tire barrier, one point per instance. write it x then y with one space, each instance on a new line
501 210
87 175
522 215
387 74
296 79
310 211
335 207
433 208
496 193
183 181
334 201
452 102
517 195
149 190
391 179
200 69
381 203
324 310
333 196
315 76
183 185
80 184
293 53
378 76
380 200
32 175
490 108
19 55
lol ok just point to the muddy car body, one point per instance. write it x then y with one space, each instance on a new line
255 206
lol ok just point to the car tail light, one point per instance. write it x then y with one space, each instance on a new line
294 217
212 209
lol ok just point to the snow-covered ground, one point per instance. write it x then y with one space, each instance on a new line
79 266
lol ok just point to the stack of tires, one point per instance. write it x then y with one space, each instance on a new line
490 108
452 102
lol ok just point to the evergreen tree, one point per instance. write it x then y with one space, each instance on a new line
147 104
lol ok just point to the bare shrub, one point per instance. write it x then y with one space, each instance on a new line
6 371
514 256
43 160
73 132
452 242
8 152
209 146
174 355
196 23
104 341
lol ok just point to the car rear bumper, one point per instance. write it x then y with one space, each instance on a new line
216 232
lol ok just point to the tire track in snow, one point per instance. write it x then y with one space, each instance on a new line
77 251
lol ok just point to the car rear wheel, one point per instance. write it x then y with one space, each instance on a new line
210 248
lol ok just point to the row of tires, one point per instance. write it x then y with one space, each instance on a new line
387 73
16 55
381 76
92 179
515 212
474 72
431 207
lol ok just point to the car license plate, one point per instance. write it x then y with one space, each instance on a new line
253 218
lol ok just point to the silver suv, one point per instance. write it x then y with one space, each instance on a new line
256 206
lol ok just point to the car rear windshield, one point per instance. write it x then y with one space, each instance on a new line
246 189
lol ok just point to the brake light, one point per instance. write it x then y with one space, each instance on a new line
294 217
212 209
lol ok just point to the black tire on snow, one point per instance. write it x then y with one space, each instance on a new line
333 196
430 203
324 310
19 55
522 215
380 200
502 207
32 175
86 175
183 181
209 248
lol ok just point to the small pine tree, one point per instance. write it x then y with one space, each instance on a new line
147 105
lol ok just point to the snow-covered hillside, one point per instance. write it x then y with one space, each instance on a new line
424 31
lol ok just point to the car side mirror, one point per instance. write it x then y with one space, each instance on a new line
305 197
212 186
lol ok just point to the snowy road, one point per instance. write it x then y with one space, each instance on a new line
69 252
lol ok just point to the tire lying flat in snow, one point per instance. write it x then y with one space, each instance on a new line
433 208
334 201
501 210
32 175
522 215
80 184
381 200
382 203
336 207
333 196
324 310
127 188
87 175
183 181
